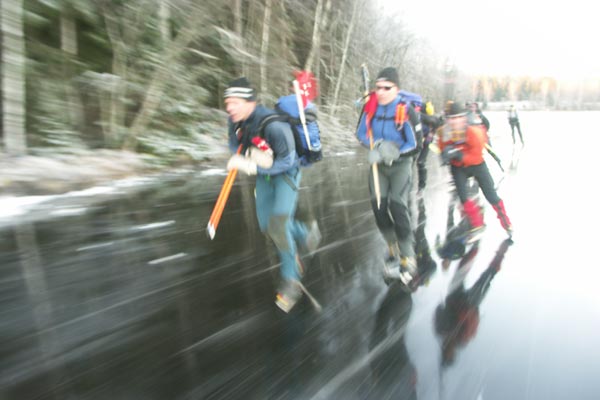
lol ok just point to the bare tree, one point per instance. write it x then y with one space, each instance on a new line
316 36
340 76
264 48
194 23
164 13
114 108
13 77
238 26
68 44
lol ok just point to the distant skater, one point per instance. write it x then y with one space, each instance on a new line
513 120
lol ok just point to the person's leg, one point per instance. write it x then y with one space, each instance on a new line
486 183
381 213
306 234
519 130
512 131
470 207
298 229
482 175
422 167
503 216
264 202
285 198
459 176
400 185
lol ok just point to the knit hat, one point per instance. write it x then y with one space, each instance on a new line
388 74
241 88
456 109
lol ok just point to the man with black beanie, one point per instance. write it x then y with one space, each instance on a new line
267 150
394 127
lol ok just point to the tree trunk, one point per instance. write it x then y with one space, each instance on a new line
68 44
13 77
316 36
264 49
161 77
112 105
164 14
238 27
344 57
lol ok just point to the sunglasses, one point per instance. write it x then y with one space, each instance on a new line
386 88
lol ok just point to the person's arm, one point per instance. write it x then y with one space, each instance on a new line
361 130
486 122
411 135
281 140
232 137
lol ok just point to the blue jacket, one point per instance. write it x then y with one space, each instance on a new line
277 134
383 126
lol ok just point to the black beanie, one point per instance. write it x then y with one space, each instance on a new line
241 88
456 109
388 74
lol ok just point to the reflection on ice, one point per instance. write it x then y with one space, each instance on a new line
168 258
154 225
95 246
63 212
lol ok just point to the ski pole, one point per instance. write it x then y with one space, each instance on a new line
494 156
217 212
375 173
301 112
376 186
313 301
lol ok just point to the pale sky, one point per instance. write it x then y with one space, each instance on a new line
520 37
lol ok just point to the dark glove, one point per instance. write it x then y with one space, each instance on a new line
389 151
374 157
451 153
384 151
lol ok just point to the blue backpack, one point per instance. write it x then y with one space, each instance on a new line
415 99
287 109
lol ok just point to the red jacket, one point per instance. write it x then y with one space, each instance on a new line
471 144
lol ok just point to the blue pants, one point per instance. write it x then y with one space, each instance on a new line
276 201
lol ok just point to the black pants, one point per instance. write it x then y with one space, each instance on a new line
422 166
483 177
514 123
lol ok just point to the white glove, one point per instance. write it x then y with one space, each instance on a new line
241 163
263 159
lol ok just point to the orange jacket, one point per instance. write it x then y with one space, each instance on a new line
472 146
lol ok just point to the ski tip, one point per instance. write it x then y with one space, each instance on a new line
210 231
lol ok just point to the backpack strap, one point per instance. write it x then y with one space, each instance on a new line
401 114
267 120
400 118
